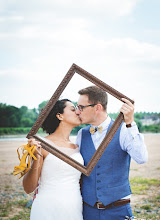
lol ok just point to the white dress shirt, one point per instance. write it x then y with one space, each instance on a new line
130 139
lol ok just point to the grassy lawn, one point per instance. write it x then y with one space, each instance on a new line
148 208
15 210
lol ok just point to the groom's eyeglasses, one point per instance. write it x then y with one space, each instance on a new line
81 107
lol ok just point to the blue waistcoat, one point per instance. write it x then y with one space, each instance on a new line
109 180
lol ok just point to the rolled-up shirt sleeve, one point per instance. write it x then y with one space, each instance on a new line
132 142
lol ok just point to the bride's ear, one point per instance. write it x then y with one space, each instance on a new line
59 116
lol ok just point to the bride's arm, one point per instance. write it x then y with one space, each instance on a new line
30 180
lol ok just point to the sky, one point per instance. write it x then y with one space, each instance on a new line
117 41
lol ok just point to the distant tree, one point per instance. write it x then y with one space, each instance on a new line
75 103
138 115
10 116
76 129
41 106
4 121
139 124
113 115
23 109
26 122
13 117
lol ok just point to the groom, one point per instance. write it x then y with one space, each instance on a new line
106 192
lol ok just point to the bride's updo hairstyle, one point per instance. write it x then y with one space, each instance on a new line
52 122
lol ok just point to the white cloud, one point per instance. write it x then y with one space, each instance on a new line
109 8
126 53
113 8
129 49
43 39
11 18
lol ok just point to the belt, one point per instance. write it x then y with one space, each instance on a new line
100 205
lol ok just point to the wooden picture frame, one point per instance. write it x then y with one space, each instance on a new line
50 148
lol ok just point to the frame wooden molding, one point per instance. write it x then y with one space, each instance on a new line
50 148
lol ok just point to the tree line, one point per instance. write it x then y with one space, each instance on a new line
19 120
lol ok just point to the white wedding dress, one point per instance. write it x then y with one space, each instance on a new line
59 196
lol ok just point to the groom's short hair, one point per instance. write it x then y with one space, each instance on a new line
95 95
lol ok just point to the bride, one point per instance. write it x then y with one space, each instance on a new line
58 183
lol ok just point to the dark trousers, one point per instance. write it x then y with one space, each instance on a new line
123 212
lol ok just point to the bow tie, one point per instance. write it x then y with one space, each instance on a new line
94 129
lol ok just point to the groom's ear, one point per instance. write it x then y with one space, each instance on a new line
99 107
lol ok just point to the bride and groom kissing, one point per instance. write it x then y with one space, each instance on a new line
106 193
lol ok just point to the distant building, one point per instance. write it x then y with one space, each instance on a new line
150 120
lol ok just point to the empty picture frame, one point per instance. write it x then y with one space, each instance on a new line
50 148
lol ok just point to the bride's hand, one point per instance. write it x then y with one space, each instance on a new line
32 142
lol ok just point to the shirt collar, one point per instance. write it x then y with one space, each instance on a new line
105 123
